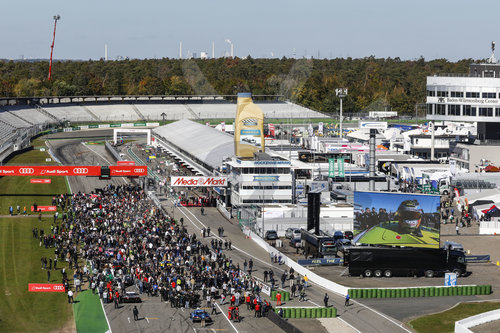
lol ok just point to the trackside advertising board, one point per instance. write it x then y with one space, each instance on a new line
46 287
44 208
40 181
396 219
199 181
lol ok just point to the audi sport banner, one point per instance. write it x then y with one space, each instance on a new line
122 163
44 208
46 287
92 171
123 170
40 181
199 181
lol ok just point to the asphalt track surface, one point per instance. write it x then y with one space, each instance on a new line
74 152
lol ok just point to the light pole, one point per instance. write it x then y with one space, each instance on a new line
341 93
263 203
232 47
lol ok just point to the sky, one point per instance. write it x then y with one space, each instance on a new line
262 29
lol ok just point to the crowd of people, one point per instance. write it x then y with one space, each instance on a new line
117 238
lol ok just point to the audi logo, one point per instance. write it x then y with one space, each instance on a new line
58 287
139 170
26 171
80 171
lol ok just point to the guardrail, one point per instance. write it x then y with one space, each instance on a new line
462 326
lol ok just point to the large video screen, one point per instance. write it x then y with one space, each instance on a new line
396 219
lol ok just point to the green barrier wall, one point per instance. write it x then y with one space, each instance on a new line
421 292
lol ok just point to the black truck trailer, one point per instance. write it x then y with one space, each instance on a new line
408 261
318 246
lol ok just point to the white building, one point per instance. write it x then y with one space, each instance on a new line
264 180
472 97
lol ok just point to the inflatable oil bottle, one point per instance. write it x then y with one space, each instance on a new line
249 127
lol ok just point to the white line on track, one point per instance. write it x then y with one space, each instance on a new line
229 321
345 322
147 319
101 156
106 316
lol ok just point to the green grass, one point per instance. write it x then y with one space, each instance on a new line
445 321
20 253
89 316
19 191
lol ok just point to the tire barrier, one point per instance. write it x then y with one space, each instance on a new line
285 295
421 292
298 313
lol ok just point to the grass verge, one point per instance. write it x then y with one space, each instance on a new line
89 316
445 321
20 254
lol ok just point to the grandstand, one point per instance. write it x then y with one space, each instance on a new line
22 117
30 115
14 121
72 112
172 111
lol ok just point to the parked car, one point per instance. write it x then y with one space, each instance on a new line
199 315
131 297
290 232
271 235
349 235
295 242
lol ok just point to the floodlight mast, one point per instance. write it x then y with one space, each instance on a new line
341 93
56 18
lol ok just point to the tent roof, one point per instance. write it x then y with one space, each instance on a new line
204 143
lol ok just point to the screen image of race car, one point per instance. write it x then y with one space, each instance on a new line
396 219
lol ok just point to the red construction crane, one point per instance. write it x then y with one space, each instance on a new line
57 17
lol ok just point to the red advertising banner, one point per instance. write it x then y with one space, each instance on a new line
122 163
37 170
44 208
138 170
76 170
40 181
46 287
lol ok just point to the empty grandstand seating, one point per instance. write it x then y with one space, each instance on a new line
31 115
114 112
152 111
71 112
271 110
123 112
13 121
6 131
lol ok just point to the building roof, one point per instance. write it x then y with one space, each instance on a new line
204 143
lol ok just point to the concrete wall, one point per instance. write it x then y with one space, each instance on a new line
462 326
314 278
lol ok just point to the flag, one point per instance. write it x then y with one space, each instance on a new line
271 129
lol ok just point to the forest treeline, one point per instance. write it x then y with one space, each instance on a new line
373 83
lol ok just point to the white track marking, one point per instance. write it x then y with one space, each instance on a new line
106 316
229 321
